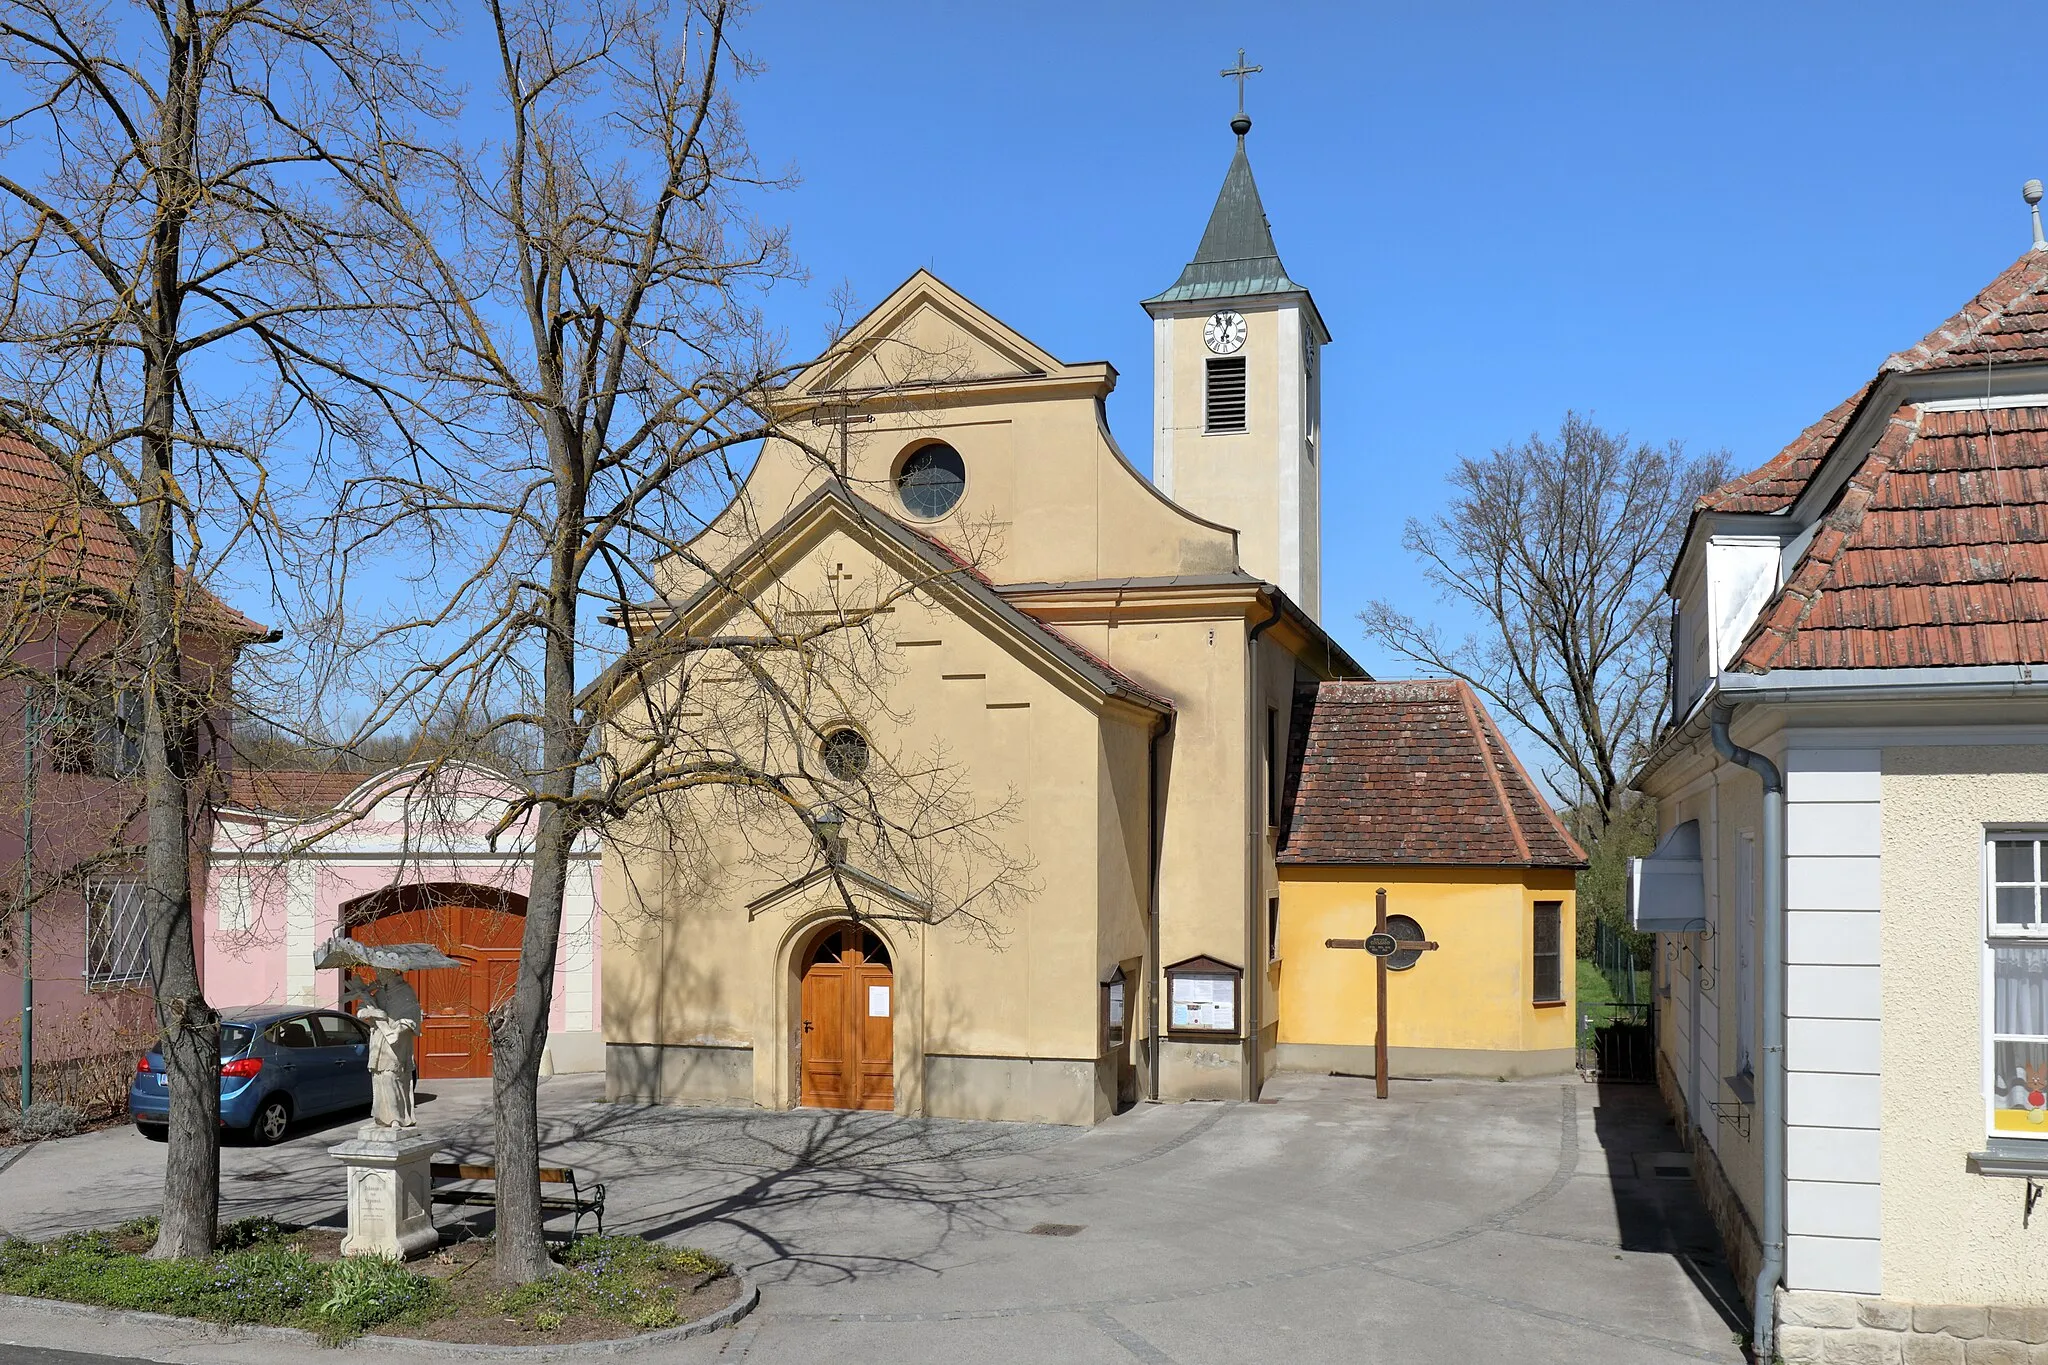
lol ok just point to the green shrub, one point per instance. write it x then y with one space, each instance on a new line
366 1291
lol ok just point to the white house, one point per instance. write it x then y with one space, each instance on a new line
1851 892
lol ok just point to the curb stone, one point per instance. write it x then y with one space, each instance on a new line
749 1298
14 1154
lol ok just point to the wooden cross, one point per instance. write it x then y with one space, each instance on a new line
1238 73
1382 945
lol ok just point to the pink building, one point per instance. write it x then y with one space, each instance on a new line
67 567
401 856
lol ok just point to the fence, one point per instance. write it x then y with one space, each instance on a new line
1617 1033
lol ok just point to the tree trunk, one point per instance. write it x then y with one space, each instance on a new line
520 1030
519 1033
189 1028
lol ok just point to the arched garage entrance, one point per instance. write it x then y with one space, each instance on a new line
480 927
847 1046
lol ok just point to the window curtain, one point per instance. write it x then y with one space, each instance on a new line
2020 994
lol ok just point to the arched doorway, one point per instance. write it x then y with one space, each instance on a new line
478 926
847 1050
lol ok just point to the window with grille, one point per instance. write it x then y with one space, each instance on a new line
1223 408
116 934
1549 956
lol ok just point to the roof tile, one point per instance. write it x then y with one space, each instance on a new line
1411 772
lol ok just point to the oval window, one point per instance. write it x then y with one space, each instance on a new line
1407 931
846 754
931 481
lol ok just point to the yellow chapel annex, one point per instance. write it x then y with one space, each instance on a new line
1204 785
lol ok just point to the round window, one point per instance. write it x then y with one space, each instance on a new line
846 754
931 481
1407 931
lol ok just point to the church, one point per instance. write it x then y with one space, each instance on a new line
1135 673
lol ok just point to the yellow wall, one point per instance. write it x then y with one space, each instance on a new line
1472 993
1950 1235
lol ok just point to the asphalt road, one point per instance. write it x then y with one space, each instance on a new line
1455 1222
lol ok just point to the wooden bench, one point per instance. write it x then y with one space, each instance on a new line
580 1199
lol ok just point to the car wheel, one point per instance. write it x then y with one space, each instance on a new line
155 1132
273 1116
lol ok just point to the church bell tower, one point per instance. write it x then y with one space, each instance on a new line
1236 385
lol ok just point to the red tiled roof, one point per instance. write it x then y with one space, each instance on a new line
1784 477
295 793
1936 553
57 546
2007 322
1411 772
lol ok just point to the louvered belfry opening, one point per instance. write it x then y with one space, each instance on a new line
1223 408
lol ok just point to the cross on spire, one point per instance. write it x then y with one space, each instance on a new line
1238 73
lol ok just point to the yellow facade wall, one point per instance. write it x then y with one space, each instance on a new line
1950 1235
1474 994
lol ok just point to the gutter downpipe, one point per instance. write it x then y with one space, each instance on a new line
1255 846
1772 1115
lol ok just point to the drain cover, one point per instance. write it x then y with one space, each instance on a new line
1055 1229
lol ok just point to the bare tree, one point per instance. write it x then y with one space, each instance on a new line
1560 547
168 288
586 293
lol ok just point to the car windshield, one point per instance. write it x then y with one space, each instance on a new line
234 1041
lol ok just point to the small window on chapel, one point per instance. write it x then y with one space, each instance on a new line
1223 407
931 481
846 754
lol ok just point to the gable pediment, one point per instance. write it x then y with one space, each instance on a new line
927 335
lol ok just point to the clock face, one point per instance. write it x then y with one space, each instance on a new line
1224 332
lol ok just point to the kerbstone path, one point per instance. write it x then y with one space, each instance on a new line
1454 1222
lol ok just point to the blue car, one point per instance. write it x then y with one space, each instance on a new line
277 1064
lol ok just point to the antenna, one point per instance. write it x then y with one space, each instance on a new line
2032 193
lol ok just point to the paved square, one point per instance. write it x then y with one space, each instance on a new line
1455 1222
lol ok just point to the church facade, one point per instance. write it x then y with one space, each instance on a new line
1113 664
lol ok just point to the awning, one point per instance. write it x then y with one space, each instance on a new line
1667 891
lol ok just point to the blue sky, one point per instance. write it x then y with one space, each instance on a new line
1702 222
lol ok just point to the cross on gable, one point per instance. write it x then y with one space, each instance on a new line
1382 945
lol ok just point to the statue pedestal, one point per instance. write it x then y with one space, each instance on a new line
390 1188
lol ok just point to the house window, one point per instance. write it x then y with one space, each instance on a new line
90 726
116 934
1113 1008
2016 968
1273 767
1272 929
1223 406
1548 964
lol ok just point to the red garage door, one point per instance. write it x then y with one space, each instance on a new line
481 931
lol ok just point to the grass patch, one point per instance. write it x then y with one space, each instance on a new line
621 1279
269 1273
258 1276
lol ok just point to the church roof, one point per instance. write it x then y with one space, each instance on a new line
1415 773
1237 257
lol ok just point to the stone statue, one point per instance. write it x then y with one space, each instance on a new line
391 1010
391 1068
390 1159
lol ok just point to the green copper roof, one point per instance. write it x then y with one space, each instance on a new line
1237 256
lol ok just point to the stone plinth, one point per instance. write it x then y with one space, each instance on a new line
390 1188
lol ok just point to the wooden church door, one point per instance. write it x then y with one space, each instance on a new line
848 1048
